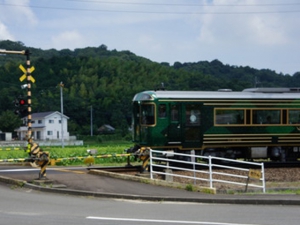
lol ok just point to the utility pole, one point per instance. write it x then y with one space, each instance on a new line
62 113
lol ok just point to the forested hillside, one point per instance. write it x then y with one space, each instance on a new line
108 79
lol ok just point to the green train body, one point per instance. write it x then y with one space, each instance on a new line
254 123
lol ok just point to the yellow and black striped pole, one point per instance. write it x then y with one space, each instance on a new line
41 158
28 76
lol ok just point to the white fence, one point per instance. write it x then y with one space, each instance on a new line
212 171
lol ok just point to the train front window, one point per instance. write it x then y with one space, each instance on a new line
147 114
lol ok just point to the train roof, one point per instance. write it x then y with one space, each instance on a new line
251 93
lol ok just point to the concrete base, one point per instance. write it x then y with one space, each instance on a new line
169 176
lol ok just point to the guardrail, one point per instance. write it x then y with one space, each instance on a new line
210 172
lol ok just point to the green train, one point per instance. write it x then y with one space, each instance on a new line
256 123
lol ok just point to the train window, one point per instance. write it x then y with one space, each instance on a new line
229 116
294 116
147 114
162 111
266 116
174 113
192 114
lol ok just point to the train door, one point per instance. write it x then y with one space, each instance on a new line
136 127
191 125
174 135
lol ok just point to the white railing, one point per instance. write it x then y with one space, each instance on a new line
210 170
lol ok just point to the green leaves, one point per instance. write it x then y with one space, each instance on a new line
108 80
9 121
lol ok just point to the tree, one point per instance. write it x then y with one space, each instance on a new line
9 121
109 79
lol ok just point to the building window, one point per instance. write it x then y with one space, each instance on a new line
39 121
49 132
51 121
32 121
59 121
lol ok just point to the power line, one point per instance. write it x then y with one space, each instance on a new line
181 4
151 12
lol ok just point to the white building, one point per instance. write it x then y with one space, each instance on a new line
46 126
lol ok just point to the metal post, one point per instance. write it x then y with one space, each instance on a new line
210 172
62 112
263 177
151 168
193 159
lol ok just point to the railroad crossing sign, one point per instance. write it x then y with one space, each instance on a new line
24 75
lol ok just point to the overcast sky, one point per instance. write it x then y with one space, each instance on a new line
263 34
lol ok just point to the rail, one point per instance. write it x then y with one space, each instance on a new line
209 169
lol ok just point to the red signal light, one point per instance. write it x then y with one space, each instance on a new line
22 102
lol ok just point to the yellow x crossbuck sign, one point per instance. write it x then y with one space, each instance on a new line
24 75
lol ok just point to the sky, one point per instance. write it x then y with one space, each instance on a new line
262 34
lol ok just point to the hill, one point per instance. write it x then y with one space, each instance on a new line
107 80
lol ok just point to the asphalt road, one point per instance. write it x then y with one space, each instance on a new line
28 207
77 181
77 178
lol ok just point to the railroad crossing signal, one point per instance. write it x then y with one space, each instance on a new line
20 101
21 107
24 75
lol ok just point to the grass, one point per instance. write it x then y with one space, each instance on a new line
75 155
284 191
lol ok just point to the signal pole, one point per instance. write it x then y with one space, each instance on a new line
28 75
35 153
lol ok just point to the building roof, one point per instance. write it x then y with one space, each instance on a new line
45 114
106 128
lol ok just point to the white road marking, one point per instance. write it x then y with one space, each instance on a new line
18 170
163 221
